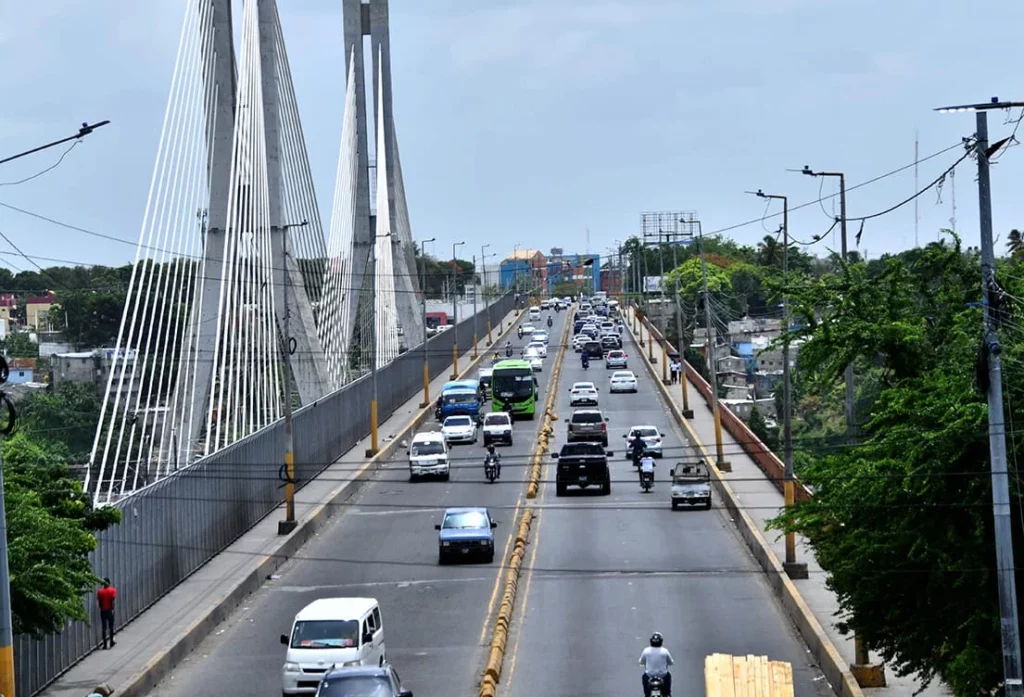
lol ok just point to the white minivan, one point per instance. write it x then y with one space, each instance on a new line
534 313
331 632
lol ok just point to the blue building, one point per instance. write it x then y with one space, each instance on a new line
571 268
522 266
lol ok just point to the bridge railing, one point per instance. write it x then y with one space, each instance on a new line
173 527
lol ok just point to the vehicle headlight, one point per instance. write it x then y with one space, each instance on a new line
446 544
290 667
485 542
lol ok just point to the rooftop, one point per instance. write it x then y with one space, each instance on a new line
336 608
522 255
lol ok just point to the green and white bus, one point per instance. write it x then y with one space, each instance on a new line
513 382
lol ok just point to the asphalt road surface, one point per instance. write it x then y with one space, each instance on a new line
607 571
436 618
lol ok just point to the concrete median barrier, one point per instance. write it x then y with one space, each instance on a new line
547 428
832 664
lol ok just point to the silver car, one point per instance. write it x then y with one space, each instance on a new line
459 429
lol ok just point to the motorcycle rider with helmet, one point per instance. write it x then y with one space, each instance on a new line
656 659
636 450
495 458
550 321
508 349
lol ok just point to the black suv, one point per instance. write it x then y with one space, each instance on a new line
610 342
362 680
593 349
582 465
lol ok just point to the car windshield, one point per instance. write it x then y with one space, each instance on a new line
496 419
460 398
586 417
468 520
516 383
427 448
645 432
325 634
458 421
356 686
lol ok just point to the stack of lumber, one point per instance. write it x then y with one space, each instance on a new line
747 676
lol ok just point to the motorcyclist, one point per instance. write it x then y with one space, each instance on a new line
493 457
508 348
520 331
646 468
585 360
656 659
550 321
637 448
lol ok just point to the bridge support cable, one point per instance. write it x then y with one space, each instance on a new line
336 309
143 367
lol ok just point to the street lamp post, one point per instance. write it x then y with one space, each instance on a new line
455 315
476 314
1003 524
286 526
426 357
483 263
687 411
851 416
794 569
374 449
711 341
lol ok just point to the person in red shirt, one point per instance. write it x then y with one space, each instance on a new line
105 599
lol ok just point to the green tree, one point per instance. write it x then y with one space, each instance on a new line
689 279
69 414
51 525
901 521
565 289
768 436
20 345
89 319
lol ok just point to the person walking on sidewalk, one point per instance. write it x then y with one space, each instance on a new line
105 597
674 368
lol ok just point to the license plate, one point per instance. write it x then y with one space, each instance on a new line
465 550
583 479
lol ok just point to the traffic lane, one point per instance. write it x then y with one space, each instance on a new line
605 572
382 545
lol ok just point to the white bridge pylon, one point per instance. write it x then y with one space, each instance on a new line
231 221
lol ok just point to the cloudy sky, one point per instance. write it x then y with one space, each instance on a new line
533 121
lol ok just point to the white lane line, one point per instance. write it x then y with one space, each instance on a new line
377 584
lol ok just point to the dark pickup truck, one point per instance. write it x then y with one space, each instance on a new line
582 465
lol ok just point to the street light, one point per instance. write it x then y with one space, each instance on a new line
374 449
851 417
483 264
423 289
455 315
85 130
285 527
793 569
1003 525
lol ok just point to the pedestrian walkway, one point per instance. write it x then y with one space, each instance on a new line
761 500
153 643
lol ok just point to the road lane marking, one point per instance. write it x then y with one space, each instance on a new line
377 584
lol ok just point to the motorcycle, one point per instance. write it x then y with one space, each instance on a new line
646 481
657 686
585 360
551 322
508 351
490 469
520 332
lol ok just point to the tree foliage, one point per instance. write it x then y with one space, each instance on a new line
89 319
50 526
20 345
902 521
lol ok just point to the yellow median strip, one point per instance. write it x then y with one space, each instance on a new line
499 638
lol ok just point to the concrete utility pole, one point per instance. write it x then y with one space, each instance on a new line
1010 629
426 355
455 315
851 415
476 318
285 527
483 263
711 341
687 411
793 568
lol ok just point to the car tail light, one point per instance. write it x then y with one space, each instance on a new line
604 427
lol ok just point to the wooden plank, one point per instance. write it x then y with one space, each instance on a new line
759 665
712 681
739 672
726 675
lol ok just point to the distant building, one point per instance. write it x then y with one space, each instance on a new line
37 311
8 304
525 266
574 268
22 370
93 368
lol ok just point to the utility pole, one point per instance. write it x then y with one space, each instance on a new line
687 411
455 315
286 526
374 449
483 263
850 403
794 569
1003 523
661 312
476 317
426 354
711 342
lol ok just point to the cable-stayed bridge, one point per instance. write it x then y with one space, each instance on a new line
232 248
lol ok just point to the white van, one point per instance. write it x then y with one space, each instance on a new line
428 454
534 313
331 632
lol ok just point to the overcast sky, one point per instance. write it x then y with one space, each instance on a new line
529 122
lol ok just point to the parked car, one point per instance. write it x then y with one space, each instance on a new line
465 532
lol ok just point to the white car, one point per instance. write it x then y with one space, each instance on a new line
623 381
616 358
535 313
497 428
534 358
527 329
651 437
541 336
583 394
579 340
428 454
539 346
459 429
